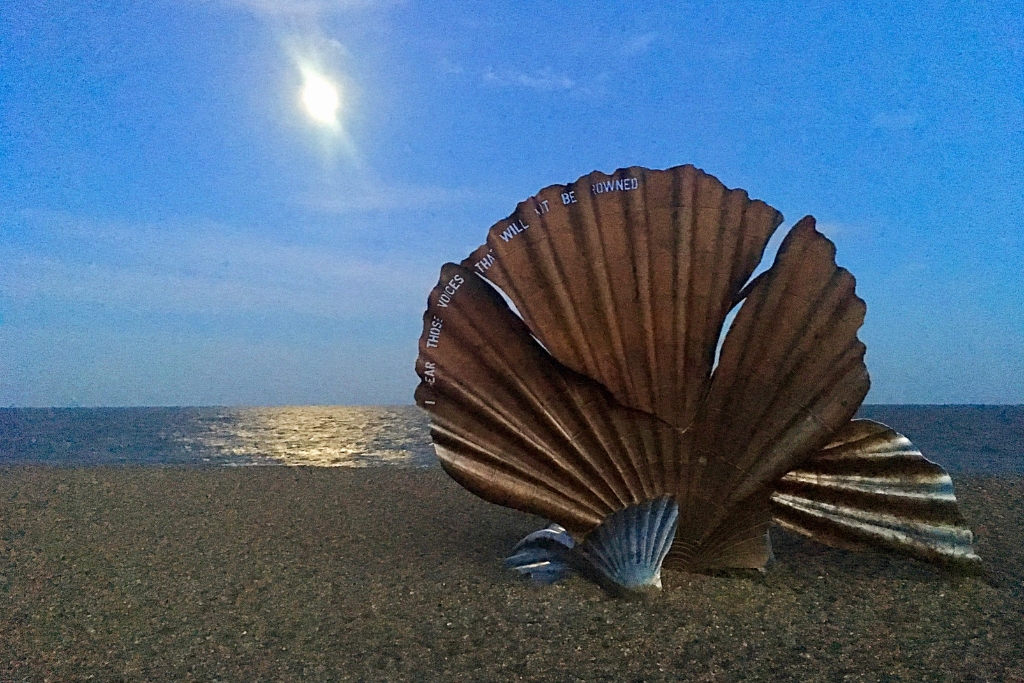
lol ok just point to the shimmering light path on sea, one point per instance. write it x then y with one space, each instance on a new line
983 439
323 436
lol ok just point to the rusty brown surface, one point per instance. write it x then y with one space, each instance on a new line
871 487
631 286
604 393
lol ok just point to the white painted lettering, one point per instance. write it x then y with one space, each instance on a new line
569 197
428 372
541 208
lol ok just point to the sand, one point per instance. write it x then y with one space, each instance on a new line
295 574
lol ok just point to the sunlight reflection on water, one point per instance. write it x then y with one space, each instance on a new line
321 436
960 438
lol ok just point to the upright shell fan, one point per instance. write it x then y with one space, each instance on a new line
600 407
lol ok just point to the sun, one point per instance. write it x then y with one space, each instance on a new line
321 99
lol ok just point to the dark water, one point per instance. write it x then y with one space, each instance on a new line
325 436
961 438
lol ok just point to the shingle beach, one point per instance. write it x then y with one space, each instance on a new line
305 574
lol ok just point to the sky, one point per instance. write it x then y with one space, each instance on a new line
177 228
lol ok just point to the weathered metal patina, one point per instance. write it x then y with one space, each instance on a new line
608 397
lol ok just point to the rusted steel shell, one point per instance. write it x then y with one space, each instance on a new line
604 394
871 488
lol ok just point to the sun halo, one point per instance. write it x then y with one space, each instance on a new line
321 99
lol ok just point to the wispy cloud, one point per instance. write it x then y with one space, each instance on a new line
542 79
392 198
202 268
450 68
848 233
638 45
299 9
896 120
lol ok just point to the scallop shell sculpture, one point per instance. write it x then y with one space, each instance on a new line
598 402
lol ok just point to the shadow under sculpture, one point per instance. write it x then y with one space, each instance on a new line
600 405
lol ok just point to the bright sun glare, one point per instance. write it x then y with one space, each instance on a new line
321 99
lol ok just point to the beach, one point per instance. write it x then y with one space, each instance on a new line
390 574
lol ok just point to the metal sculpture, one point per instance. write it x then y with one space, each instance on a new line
602 406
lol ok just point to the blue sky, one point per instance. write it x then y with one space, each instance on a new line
175 229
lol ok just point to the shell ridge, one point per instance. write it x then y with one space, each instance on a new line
687 182
543 262
619 429
591 362
916 516
737 536
803 447
857 431
940 533
538 404
535 500
601 428
543 251
611 548
581 247
558 480
841 367
587 439
912 539
602 280
798 351
743 425
654 538
832 296
603 394
694 374
502 416
625 294
933 505
645 294
762 305
636 535
588 474
634 212
585 414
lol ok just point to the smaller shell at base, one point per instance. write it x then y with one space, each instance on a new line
628 547
623 554
543 555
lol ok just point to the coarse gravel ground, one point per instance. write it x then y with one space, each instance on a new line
306 574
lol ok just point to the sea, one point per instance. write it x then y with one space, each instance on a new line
963 439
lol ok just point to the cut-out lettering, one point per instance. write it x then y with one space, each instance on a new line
513 229
486 262
434 333
622 184
449 291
